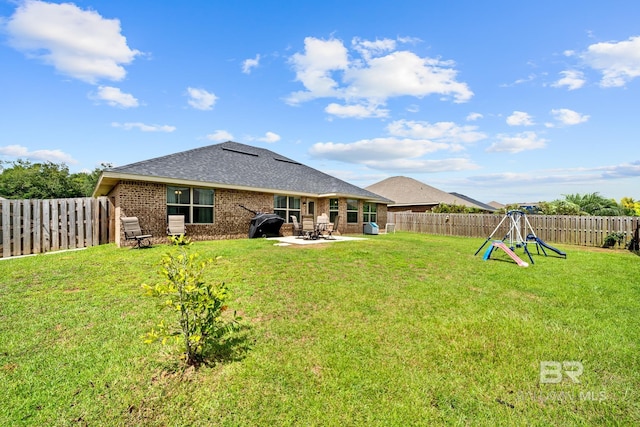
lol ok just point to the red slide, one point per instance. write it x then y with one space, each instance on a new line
512 254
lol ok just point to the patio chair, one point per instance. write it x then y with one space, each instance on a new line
132 231
297 229
175 225
333 227
322 224
308 227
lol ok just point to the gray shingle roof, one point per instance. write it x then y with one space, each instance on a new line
479 204
235 164
405 191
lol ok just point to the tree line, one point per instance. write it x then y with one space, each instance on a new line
22 179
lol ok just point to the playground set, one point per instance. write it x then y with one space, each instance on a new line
519 226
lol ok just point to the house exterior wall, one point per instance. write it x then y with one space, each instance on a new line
148 202
322 206
144 200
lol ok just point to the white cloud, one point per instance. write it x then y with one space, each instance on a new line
529 78
358 111
54 156
516 143
569 117
406 147
474 116
441 131
422 165
78 43
376 149
572 79
249 64
391 154
220 136
326 71
144 127
368 48
270 137
565 176
200 99
519 118
413 108
115 97
314 68
403 73
619 62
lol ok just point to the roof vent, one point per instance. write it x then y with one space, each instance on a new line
286 161
240 151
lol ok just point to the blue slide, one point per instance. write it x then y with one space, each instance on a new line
548 246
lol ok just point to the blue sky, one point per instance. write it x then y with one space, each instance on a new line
498 100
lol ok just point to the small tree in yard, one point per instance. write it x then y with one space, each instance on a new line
198 327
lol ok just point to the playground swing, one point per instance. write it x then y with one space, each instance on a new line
513 239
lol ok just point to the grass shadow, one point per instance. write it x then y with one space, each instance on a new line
234 348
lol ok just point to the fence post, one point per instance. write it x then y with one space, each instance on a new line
105 220
17 228
79 224
6 228
26 227
37 226
46 226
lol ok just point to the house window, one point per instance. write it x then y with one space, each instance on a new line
370 212
333 210
352 211
285 207
196 204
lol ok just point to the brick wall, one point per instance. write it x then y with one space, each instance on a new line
144 200
148 202
230 220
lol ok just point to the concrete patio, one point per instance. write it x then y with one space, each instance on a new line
292 240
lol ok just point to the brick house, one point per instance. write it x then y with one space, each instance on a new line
208 184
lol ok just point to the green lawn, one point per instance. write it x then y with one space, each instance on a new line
401 329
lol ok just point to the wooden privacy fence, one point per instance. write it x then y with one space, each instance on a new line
571 230
38 226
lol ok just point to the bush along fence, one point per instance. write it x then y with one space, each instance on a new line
595 231
38 226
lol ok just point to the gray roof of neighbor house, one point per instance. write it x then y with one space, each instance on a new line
484 206
405 191
237 166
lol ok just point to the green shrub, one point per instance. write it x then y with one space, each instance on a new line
445 208
197 326
613 238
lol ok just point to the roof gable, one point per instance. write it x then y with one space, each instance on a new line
232 164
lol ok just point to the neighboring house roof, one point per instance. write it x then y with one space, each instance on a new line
237 166
484 206
405 191
496 205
